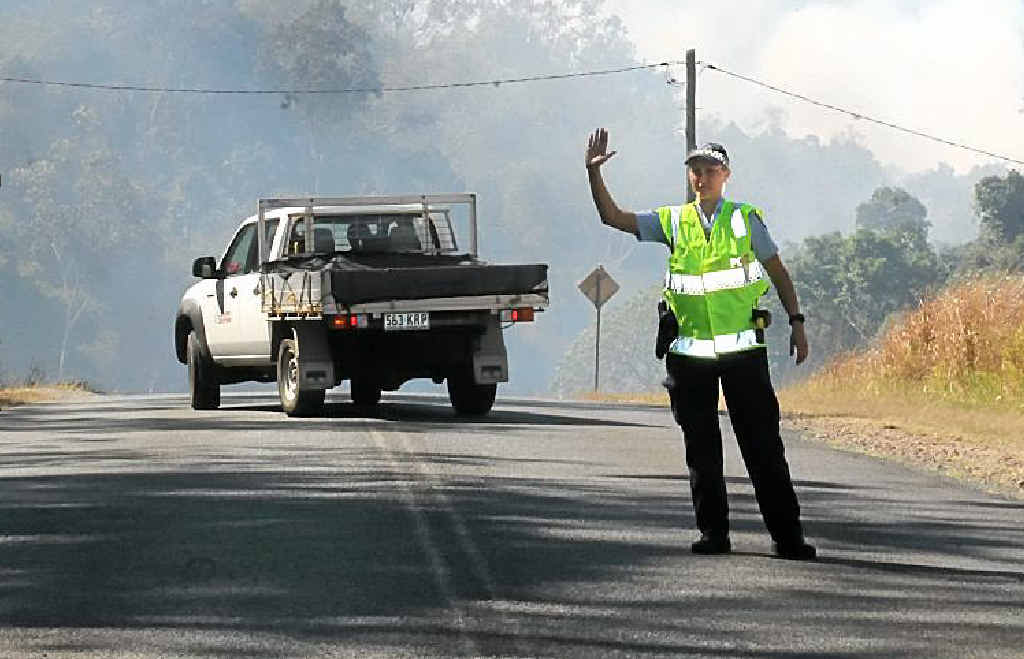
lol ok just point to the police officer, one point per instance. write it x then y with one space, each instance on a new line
721 258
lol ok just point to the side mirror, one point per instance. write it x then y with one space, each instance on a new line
205 267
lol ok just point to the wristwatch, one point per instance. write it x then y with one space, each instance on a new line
795 318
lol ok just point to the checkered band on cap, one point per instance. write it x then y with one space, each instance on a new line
709 151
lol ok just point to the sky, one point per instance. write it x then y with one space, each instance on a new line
951 68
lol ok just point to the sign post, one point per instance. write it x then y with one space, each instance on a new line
599 287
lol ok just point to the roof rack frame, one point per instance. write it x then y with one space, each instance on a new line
274 203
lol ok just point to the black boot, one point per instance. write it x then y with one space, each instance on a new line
712 543
795 550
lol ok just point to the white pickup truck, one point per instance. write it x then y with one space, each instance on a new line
313 291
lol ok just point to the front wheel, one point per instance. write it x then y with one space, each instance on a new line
469 398
295 400
203 388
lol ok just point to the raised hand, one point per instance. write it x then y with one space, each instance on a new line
597 149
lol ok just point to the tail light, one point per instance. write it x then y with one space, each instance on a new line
521 315
350 321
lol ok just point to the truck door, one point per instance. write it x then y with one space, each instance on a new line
221 317
254 330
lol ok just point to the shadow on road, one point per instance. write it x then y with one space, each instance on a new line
337 417
351 549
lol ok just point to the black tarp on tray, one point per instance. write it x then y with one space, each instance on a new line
356 280
357 286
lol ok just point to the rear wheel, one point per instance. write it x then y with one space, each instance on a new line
295 400
203 388
469 398
365 393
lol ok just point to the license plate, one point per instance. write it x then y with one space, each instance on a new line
416 320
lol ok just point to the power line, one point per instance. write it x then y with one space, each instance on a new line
862 117
350 90
505 81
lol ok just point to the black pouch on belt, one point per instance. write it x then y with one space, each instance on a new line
668 330
762 318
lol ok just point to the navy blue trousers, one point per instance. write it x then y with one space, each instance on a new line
692 385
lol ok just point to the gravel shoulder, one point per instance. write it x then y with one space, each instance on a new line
996 467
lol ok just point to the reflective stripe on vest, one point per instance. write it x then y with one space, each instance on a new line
715 281
711 348
675 225
739 227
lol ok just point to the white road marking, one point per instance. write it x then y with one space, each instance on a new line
477 563
441 571
510 625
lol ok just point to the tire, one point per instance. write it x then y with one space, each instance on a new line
203 388
469 398
365 393
295 401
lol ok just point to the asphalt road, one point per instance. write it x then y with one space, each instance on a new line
134 527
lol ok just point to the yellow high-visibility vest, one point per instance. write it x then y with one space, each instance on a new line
713 283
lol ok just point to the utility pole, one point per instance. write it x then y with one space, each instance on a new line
691 111
597 342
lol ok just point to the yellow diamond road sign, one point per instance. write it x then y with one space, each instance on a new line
599 286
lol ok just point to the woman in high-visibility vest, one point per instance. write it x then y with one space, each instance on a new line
721 259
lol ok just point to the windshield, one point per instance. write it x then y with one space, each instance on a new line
376 233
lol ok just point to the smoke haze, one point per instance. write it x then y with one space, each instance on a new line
932 66
108 196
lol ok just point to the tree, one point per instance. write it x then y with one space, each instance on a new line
79 212
321 49
850 285
999 203
894 210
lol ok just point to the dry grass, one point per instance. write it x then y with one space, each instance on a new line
965 346
956 363
11 396
909 409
